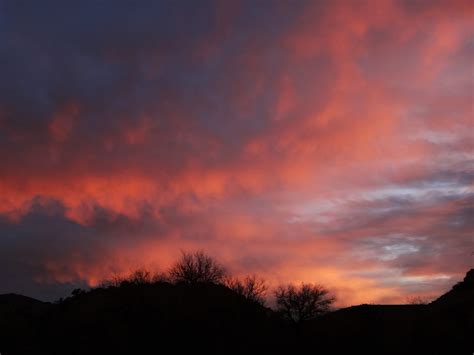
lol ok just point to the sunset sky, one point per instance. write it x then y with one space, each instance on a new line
317 141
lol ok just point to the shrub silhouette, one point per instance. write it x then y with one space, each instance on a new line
251 287
141 277
137 277
418 300
304 302
197 267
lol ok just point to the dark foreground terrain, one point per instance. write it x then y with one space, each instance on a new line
163 318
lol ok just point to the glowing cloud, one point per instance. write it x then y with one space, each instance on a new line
322 141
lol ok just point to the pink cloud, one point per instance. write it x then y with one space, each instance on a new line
332 146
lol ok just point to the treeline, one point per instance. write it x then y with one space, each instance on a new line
295 303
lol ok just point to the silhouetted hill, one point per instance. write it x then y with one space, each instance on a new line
20 319
164 318
456 308
163 315
462 294
446 326
384 329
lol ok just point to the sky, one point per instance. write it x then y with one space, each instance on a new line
303 141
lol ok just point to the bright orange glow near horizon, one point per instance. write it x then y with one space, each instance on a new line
312 141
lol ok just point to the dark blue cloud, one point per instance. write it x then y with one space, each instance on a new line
46 236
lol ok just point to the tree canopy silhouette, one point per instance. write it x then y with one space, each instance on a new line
304 302
251 287
197 267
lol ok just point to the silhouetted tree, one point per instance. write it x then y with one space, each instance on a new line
197 267
251 287
159 277
304 302
140 277
112 281
137 277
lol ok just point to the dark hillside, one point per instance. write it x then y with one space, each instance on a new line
20 320
165 318
131 319
446 326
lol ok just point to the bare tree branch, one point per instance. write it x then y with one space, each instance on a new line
304 302
197 267
251 287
